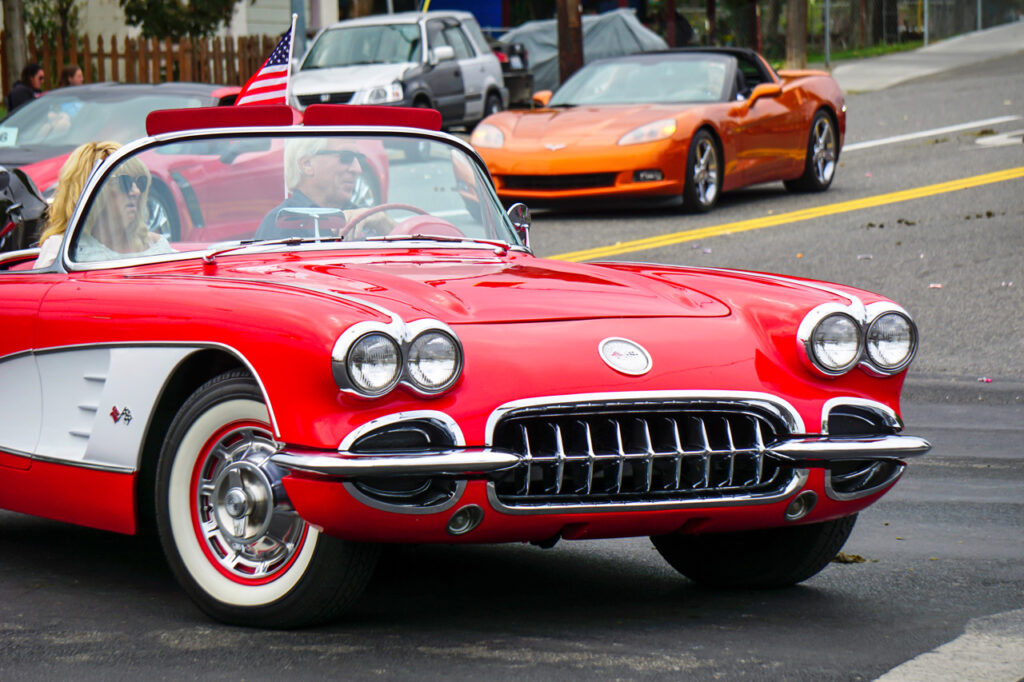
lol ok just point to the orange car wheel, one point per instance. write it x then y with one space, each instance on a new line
703 174
820 165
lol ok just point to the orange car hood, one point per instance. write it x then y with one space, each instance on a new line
583 125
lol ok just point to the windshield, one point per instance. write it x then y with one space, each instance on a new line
386 44
651 79
64 119
287 192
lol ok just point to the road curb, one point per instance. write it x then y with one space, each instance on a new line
963 389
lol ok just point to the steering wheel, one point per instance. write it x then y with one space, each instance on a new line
410 226
379 209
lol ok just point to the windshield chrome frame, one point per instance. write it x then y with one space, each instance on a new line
99 174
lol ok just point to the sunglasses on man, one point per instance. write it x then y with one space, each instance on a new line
127 181
345 156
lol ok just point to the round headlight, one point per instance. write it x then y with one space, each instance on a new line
835 343
434 361
373 363
890 341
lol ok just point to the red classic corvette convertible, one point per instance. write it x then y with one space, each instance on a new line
682 124
276 408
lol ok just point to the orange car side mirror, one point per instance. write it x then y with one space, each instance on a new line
764 90
541 98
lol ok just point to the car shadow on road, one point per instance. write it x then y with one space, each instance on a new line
483 587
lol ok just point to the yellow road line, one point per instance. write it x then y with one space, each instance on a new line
792 217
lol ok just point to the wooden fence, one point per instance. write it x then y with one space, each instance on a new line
226 61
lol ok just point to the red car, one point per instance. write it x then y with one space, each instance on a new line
277 409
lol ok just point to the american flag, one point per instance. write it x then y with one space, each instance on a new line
269 85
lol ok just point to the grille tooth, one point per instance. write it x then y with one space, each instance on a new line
559 458
635 450
528 457
591 458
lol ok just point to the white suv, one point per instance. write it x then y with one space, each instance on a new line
434 59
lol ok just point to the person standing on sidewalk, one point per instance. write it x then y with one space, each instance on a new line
27 89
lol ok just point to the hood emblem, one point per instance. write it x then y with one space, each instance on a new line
553 146
625 356
325 97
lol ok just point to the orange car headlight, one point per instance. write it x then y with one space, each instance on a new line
651 132
486 135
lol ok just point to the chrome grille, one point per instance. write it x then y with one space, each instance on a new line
332 98
639 451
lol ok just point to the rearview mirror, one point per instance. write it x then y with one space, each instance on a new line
442 53
541 98
519 214
297 222
764 90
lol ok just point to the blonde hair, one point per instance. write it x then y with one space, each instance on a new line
71 182
138 230
294 150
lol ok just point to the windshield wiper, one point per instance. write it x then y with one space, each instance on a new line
437 238
211 256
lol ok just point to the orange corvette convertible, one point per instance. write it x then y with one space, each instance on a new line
686 123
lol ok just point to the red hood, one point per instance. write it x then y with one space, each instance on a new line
463 287
44 173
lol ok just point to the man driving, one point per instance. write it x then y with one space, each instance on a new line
319 173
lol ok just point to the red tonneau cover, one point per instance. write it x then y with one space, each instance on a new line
173 120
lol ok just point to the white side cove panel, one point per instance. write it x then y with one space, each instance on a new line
20 404
97 402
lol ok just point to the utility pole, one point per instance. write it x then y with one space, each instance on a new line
15 48
570 39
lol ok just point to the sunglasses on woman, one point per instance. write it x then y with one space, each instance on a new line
127 181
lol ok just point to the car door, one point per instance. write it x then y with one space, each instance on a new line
444 77
473 66
768 130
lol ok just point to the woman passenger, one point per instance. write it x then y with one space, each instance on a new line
116 226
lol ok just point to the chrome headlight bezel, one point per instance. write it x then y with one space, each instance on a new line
414 372
876 315
864 317
403 335
395 373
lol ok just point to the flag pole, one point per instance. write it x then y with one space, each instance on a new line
287 95
288 73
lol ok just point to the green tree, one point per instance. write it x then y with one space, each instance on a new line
52 21
176 19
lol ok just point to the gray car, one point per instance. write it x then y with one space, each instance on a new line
433 59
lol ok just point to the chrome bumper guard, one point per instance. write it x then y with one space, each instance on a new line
811 451
454 462
819 451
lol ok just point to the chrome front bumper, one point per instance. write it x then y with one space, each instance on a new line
811 452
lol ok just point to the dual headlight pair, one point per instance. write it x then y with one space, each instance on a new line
370 359
836 339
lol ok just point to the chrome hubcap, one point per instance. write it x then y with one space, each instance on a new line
824 150
705 172
243 515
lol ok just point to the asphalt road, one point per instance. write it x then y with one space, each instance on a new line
940 591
